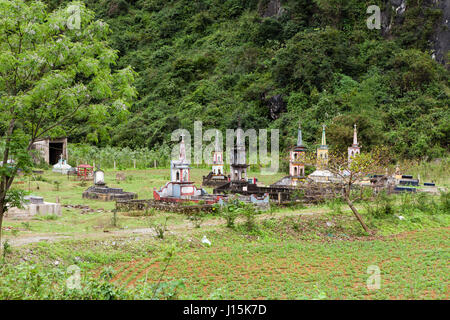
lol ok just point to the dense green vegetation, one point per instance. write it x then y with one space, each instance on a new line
213 61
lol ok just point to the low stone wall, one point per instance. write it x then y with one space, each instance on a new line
311 193
141 205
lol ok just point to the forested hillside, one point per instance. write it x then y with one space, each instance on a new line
274 63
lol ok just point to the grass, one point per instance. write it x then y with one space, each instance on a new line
292 269
241 267
311 252
72 222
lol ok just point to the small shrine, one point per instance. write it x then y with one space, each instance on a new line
354 149
62 166
85 172
100 191
321 174
180 188
322 151
217 175
297 158
404 180
238 166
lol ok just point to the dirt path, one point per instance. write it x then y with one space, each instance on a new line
175 229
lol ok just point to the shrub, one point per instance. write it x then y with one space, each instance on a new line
57 184
196 219
26 225
114 219
34 281
381 207
249 212
444 202
107 273
230 212
50 217
6 249
159 228
335 205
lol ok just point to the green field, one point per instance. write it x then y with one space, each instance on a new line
306 252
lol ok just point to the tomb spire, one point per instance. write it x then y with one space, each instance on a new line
322 151
299 135
354 149
324 139
182 149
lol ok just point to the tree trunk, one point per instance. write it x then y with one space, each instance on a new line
358 216
1 223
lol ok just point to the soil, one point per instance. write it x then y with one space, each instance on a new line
24 240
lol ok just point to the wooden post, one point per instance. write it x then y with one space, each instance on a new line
114 164
154 163
279 197
134 163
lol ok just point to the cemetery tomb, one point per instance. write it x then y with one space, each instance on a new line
32 206
100 191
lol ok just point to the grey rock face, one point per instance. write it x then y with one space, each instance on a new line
394 14
276 106
441 39
270 8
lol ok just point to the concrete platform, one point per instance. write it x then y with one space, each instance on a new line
34 209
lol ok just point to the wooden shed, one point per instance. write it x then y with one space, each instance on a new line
51 149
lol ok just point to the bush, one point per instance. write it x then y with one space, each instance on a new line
335 205
230 212
6 250
159 228
249 212
35 282
114 219
381 207
196 219
444 202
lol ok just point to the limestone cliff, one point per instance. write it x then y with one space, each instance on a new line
401 16
423 25
270 8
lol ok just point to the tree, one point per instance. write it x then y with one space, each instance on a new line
347 174
52 66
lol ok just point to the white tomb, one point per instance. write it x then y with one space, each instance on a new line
33 206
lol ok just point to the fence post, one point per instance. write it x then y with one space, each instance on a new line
114 164
154 163
134 163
